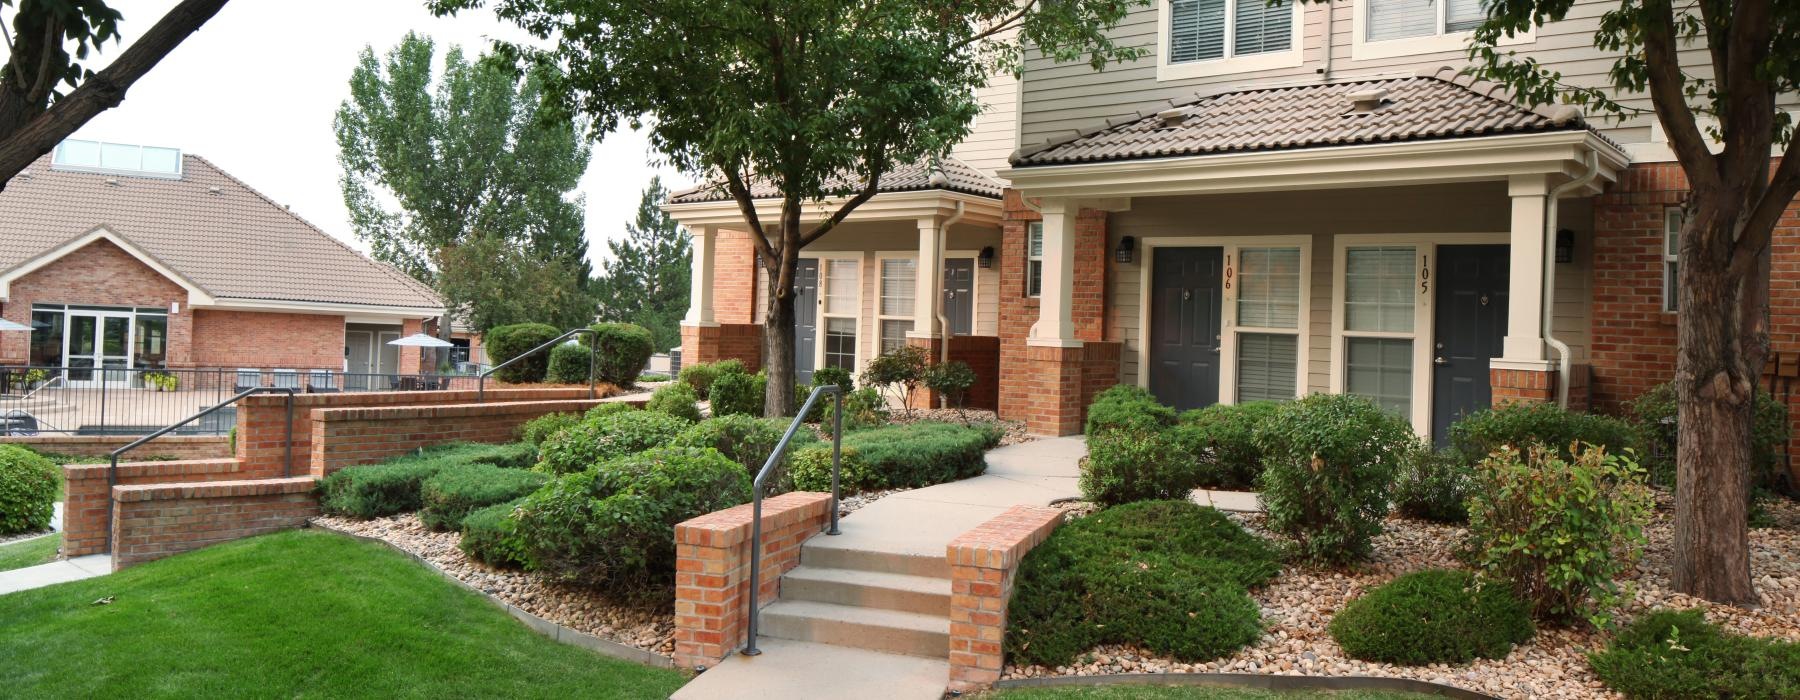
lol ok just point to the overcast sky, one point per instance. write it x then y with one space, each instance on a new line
256 89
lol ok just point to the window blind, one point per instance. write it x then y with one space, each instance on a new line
898 275
1261 28
1266 366
1463 15
1380 369
1400 19
1269 287
1196 30
1378 289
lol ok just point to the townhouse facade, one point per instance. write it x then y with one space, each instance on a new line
1275 201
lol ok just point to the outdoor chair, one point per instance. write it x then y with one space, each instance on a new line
321 381
287 379
18 423
248 378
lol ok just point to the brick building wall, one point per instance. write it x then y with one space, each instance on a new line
99 273
224 338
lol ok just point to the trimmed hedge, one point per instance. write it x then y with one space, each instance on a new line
810 470
624 351
491 536
737 393
27 490
1330 461
377 490
568 364
1520 424
455 491
611 434
923 453
676 400
1433 616
1170 576
747 441
1222 440
1678 655
1126 464
507 342
1126 406
535 431
700 375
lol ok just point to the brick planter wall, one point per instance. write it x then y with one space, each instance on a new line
1522 386
155 521
343 437
175 446
89 496
983 562
712 571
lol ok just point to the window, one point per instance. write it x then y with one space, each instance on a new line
1034 259
1198 29
120 158
1269 287
1389 28
1380 369
47 338
899 279
1672 221
842 311
840 343
840 287
1378 289
1266 365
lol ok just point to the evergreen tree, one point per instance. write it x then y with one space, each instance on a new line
646 281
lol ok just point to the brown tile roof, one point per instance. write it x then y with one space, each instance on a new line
1436 104
234 243
958 177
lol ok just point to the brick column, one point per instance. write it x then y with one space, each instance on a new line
742 341
712 571
1054 375
983 562
1522 385
1041 382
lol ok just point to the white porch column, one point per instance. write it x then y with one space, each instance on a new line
1056 324
1525 291
925 294
700 296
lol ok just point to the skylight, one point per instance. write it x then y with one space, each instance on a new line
117 158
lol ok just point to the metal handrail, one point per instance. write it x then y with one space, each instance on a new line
287 469
756 487
481 379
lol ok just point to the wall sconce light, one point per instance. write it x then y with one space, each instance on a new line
1565 245
986 258
1127 246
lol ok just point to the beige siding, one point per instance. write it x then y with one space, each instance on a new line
994 134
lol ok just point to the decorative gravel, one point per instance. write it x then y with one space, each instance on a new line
573 607
1015 429
1299 604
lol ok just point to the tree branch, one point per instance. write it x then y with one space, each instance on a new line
1749 110
1759 226
1663 63
734 183
103 91
877 167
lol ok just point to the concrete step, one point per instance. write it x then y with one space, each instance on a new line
788 670
835 553
889 631
868 589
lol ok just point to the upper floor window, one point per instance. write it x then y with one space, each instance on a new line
1214 37
1387 28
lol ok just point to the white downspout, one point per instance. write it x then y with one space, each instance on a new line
1325 70
1563 362
943 247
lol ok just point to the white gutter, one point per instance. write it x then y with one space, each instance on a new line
943 247
1563 363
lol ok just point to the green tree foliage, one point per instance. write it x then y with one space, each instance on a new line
481 177
646 280
817 100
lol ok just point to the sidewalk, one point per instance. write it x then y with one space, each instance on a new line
59 571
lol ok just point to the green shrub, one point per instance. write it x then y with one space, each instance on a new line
676 400
747 441
1678 655
376 490
1522 423
1655 414
1433 485
568 364
607 436
833 375
27 490
700 375
736 393
924 453
607 409
1222 439
897 372
951 380
613 527
535 431
810 470
623 351
491 536
1558 530
1126 406
504 343
512 455
1170 576
1430 617
1134 464
1329 461
864 408
822 410
455 491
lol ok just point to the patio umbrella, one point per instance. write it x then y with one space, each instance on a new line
6 325
422 340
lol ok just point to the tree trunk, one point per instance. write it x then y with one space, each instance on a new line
778 338
1723 340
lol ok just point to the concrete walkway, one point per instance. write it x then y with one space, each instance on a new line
59 571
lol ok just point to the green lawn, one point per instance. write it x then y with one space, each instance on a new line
19 555
1166 692
294 614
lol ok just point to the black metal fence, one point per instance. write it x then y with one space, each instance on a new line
88 401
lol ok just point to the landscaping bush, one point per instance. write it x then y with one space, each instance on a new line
1558 530
864 408
1677 655
833 375
1222 440
1329 459
810 470
568 364
504 343
1432 485
607 409
455 491
376 490
897 372
1126 406
622 352
676 400
609 435
1136 464
535 431
491 536
1522 423
737 393
1170 576
822 411
1656 417
924 453
612 527
512 455
27 490
1433 616
747 441
700 375
951 380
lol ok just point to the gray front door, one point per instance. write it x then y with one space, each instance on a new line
1185 293
1471 328
806 317
959 295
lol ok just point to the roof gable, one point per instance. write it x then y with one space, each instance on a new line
196 293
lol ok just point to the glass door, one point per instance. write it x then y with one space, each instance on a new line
99 349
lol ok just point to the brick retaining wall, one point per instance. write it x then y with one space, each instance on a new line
983 562
343 437
89 493
712 571
176 446
155 521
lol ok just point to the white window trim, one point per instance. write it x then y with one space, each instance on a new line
1229 64
1424 320
1228 327
824 257
1029 258
1361 49
879 282
1670 215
